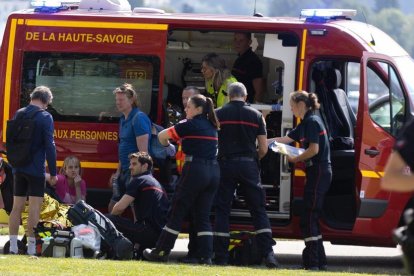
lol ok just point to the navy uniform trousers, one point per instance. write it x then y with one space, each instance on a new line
318 181
247 174
195 191
140 233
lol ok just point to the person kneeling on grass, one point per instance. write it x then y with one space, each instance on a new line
150 204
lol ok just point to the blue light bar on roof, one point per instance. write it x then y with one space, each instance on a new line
53 4
327 13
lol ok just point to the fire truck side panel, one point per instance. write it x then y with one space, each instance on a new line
43 44
83 55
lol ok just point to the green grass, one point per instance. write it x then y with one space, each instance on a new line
24 265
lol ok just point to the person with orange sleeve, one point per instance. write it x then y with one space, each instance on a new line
198 183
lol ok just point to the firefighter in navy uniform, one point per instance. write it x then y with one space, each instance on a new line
240 127
313 137
198 183
150 202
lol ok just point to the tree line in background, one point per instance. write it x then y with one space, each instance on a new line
384 14
391 16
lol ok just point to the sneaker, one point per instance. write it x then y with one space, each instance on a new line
270 260
19 252
156 255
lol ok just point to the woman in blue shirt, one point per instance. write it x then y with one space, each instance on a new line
134 136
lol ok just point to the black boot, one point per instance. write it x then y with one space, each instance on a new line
322 256
156 255
270 260
310 256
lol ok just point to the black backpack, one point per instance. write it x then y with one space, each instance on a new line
19 135
113 242
243 249
157 150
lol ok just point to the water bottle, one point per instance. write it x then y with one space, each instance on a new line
115 188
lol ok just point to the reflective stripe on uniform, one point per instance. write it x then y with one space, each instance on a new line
220 234
179 158
200 137
313 238
264 230
169 230
206 233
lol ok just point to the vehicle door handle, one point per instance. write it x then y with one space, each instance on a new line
372 152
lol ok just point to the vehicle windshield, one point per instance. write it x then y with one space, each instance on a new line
406 69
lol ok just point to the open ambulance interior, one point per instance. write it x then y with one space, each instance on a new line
277 51
72 75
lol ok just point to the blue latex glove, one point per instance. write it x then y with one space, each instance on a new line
170 150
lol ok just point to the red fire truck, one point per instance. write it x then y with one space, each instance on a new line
84 49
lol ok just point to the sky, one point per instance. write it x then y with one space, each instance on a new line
7 7
213 6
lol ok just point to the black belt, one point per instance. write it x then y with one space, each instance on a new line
240 158
310 163
190 158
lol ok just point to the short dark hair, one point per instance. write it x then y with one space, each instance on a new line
42 93
143 158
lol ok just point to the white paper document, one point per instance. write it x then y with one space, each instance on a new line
285 149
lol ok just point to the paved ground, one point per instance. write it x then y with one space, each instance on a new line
374 260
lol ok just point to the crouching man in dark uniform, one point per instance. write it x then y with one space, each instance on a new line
241 126
150 203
